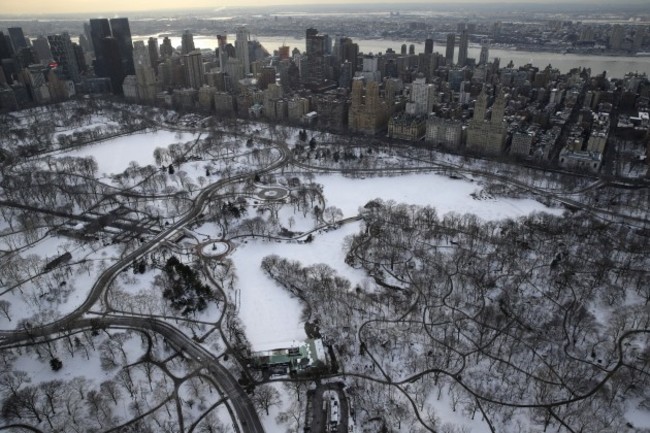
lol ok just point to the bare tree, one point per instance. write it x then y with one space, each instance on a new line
4 308
265 397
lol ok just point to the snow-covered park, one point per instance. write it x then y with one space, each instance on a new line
149 179
272 316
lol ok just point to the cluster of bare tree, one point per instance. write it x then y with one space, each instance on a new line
48 127
143 387
542 318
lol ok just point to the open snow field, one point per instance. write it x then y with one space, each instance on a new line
41 296
272 317
113 156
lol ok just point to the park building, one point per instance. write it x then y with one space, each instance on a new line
296 358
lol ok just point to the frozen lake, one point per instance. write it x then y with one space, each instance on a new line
114 155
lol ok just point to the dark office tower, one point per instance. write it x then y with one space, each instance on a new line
462 48
194 69
403 52
110 48
315 57
187 42
122 34
26 56
42 48
222 42
99 29
349 51
6 49
63 54
11 70
152 47
81 58
166 49
451 45
17 38
412 49
428 46
485 52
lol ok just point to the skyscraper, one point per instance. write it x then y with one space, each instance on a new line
110 48
462 48
17 38
187 42
485 52
89 37
84 43
639 37
421 98
315 47
194 69
428 46
141 54
63 53
152 46
451 45
81 58
349 51
99 29
484 136
222 41
166 49
241 48
616 37
121 31
42 48
6 49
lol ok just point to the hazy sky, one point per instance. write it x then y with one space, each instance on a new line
96 6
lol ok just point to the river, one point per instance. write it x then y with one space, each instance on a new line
615 66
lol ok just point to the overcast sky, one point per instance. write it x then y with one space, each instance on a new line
102 6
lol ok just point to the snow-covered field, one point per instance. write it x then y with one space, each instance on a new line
272 317
44 296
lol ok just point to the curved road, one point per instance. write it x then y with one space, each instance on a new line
246 413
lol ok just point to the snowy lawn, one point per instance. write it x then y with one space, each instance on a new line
41 296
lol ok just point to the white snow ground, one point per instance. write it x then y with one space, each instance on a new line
272 316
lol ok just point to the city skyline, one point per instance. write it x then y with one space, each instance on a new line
41 7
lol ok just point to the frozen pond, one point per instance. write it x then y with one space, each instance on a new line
114 155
